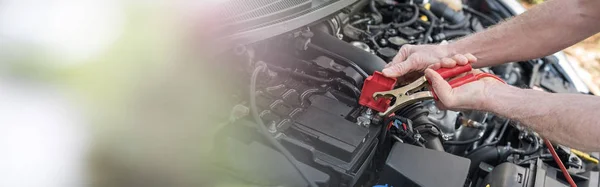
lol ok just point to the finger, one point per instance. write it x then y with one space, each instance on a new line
442 89
448 63
402 55
397 69
435 66
460 59
471 58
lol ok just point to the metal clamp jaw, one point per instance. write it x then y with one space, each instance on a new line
405 95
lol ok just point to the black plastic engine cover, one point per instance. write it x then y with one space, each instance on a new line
409 165
315 124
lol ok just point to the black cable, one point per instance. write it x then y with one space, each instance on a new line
347 61
480 14
534 158
505 126
261 66
463 142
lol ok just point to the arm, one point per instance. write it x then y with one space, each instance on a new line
540 31
569 119
543 30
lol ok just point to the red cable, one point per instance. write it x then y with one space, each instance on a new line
560 164
482 75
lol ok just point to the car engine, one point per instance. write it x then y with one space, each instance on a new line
298 122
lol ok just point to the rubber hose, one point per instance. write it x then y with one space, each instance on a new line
451 34
504 127
378 15
487 154
359 59
459 25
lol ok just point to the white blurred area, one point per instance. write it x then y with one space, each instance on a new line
43 136
71 29
42 140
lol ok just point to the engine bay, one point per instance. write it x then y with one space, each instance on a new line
298 121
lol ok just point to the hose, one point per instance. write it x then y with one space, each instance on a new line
347 61
360 21
261 66
458 25
412 20
451 34
534 148
504 127
378 17
363 62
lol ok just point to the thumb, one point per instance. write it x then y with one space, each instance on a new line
442 89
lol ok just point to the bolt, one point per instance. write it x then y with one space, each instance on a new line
573 159
273 127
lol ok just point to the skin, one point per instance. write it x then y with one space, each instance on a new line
569 119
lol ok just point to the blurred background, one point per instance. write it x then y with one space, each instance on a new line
119 93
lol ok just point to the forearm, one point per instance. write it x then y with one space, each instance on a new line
543 30
569 119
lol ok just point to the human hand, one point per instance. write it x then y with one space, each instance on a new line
470 96
413 58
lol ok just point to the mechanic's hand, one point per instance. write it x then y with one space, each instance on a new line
413 58
471 96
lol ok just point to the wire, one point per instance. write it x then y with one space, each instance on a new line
261 66
559 163
534 158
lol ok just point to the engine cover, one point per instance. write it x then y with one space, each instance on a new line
318 126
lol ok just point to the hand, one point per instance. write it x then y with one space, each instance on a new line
412 58
471 96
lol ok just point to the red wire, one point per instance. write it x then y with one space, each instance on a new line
560 164
482 75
